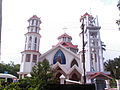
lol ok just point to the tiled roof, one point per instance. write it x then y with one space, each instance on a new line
98 74
68 44
34 16
64 35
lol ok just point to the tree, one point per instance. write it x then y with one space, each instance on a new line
11 68
113 66
42 75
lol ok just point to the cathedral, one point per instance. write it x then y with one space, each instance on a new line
65 57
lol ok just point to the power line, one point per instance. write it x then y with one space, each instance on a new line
113 50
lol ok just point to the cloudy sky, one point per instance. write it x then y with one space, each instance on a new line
55 15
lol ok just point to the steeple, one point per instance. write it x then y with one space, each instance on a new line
31 52
93 47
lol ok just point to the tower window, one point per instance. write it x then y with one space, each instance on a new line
27 57
30 39
35 39
36 29
32 22
37 22
34 58
59 57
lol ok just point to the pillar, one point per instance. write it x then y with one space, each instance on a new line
118 84
107 84
62 79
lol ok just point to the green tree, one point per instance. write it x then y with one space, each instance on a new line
42 75
11 68
113 66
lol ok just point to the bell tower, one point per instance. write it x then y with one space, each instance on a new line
31 52
93 47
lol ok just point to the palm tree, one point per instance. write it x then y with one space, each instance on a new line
113 66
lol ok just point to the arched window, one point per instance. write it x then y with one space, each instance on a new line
30 38
37 22
35 39
32 22
74 62
59 57
74 77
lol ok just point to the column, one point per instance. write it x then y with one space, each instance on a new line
118 84
107 84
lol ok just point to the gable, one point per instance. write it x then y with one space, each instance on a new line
67 54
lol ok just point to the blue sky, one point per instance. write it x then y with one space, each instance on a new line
55 15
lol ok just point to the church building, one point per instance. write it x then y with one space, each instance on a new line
65 57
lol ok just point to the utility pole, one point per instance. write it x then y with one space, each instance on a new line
83 50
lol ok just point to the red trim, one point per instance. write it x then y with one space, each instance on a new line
68 44
100 73
34 16
64 35
82 17
86 14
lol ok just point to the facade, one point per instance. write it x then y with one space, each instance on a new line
64 57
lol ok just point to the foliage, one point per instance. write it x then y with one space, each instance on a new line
113 66
42 75
11 68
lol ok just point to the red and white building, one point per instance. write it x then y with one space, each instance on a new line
64 56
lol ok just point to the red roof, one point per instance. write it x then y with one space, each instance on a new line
98 74
86 14
64 35
68 44
34 16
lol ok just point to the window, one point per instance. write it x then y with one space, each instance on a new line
35 39
34 58
30 39
36 29
93 35
59 57
27 57
37 22
74 62
32 22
